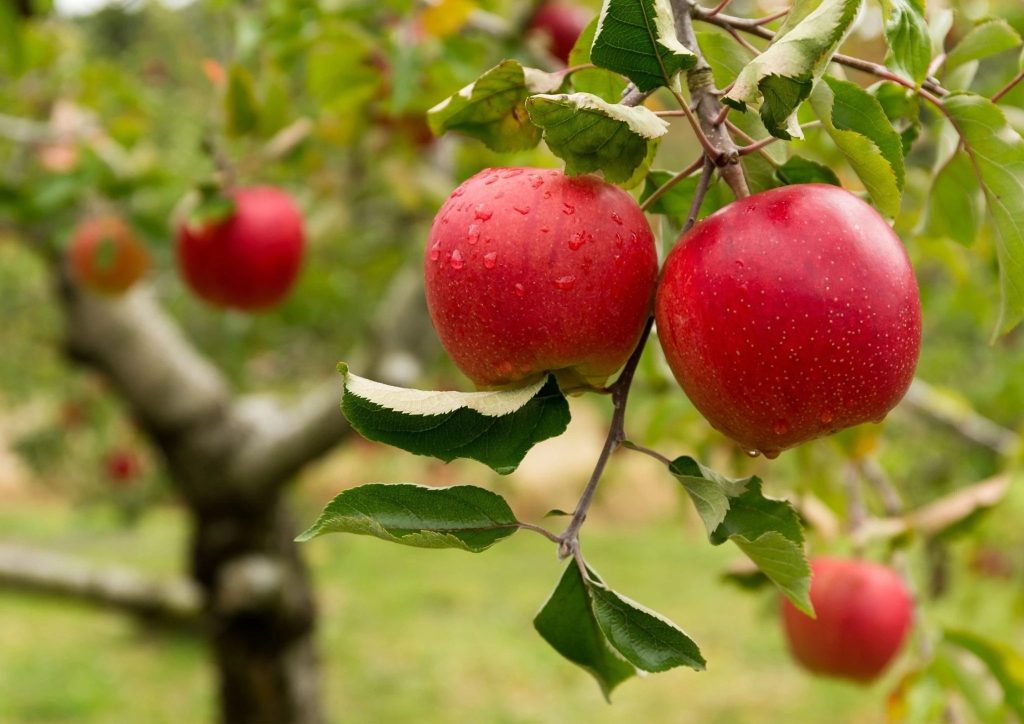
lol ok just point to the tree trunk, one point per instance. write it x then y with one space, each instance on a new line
260 613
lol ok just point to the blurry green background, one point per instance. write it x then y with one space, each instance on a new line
410 635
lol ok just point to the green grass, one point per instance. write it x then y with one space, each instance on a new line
421 636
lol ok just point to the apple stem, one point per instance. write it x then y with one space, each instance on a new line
569 539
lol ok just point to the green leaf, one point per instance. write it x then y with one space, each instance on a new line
597 81
1005 665
647 640
637 38
858 125
567 621
675 203
953 211
782 77
240 103
591 135
906 32
496 428
464 516
767 530
725 56
799 170
987 38
211 207
492 108
902 108
997 153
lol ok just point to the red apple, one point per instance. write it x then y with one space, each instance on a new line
864 612
122 466
528 270
561 23
248 260
789 315
106 255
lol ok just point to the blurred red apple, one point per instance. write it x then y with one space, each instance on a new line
106 256
789 315
123 467
248 259
864 612
560 23
528 271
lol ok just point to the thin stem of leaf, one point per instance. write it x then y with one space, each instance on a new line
537 529
747 45
771 18
665 187
997 96
573 69
630 445
722 115
709 148
719 7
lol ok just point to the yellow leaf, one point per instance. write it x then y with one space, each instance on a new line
442 18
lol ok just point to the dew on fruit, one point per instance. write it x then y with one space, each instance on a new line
547 194
511 172
460 190
618 240
616 218
578 239
491 179
456 261
565 283
771 454
568 209
545 229
781 427
435 251
482 212
473 234
752 453
536 181
524 210
490 259
520 290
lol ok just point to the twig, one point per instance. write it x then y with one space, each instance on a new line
630 445
569 539
925 400
698 196
733 128
719 7
665 187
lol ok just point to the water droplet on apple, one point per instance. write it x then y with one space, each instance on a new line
524 210
490 259
771 454
577 240
473 235
435 251
827 417
752 453
781 427
547 194
619 241
491 179
511 172
565 283
568 209
545 229
536 181
460 190
482 212
520 290
456 261
616 218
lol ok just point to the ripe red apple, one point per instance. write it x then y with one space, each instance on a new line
528 270
248 260
122 466
789 315
864 612
106 256
561 23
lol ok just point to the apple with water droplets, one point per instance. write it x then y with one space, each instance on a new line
789 315
247 258
528 270
106 256
863 613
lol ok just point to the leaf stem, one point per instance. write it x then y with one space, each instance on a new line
630 445
665 187
719 7
538 529
758 145
997 96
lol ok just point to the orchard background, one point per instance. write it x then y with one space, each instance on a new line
158 455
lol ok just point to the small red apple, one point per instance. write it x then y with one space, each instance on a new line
864 612
123 467
561 23
528 270
106 256
248 260
789 315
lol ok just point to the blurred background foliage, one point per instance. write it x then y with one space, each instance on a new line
133 106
